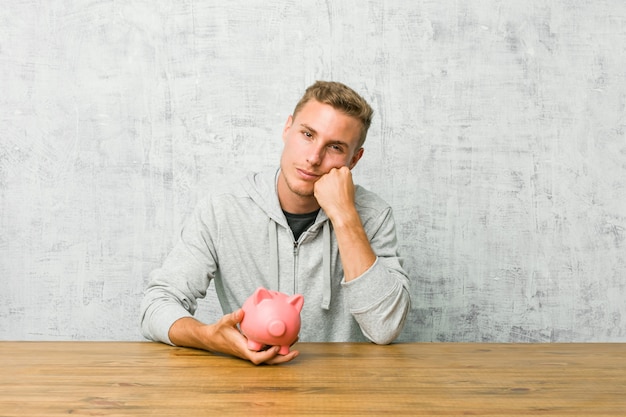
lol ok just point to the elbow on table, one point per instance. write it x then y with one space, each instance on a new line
391 327
385 338
387 332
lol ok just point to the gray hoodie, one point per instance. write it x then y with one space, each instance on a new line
240 239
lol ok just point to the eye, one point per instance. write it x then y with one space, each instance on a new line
307 134
336 148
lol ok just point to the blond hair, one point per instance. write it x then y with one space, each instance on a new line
342 98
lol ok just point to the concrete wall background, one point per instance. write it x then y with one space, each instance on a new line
499 139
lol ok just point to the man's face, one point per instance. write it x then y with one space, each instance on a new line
318 139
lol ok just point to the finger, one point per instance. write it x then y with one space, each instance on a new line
262 356
278 359
271 356
234 318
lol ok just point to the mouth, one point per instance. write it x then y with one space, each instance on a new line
307 175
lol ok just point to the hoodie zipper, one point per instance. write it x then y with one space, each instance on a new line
295 266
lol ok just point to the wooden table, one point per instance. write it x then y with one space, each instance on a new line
435 379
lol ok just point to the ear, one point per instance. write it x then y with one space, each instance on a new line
357 155
259 295
288 125
296 300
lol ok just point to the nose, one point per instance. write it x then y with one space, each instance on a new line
315 156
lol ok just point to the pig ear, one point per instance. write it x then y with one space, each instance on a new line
297 301
260 294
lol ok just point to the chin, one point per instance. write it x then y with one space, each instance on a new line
304 192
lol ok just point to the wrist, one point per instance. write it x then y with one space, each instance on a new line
347 218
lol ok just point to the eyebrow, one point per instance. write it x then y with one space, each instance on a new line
314 132
307 127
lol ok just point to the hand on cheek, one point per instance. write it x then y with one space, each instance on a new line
334 191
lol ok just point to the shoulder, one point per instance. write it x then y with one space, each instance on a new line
369 204
239 186
255 190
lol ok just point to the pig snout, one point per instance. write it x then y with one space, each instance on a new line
276 328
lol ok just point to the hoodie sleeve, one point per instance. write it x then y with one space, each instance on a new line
379 299
173 289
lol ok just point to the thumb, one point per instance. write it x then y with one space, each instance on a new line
236 316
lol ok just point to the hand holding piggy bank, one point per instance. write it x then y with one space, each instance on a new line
271 318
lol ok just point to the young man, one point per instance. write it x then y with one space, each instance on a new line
305 228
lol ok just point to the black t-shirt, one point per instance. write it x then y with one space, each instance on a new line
300 222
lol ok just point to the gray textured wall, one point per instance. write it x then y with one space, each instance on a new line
499 139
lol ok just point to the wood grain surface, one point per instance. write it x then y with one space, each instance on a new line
443 379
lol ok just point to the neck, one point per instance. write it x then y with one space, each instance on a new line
300 208
298 205
292 202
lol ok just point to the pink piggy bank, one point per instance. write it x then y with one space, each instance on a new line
271 318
